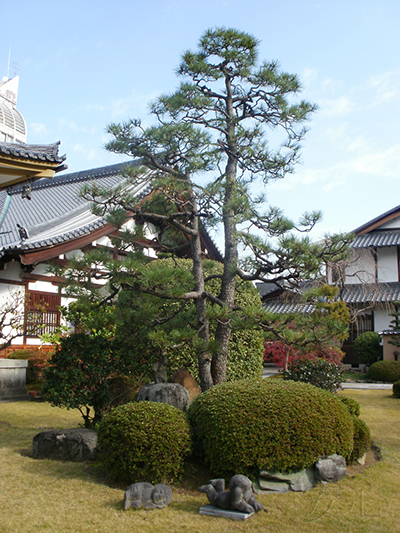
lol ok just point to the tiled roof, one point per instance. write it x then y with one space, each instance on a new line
360 293
33 152
377 239
278 306
55 212
366 293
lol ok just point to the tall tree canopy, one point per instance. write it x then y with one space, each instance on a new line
209 159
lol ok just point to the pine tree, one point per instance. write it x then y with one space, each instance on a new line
209 158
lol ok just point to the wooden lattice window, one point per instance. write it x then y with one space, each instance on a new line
42 313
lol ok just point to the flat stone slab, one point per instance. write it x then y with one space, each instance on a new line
225 513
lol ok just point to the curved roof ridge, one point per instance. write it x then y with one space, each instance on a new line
80 175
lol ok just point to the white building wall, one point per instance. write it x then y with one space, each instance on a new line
387 264
381 319
361 267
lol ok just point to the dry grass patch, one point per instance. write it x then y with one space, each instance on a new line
45 495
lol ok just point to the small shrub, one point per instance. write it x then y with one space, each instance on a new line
351 405
396 389
247 425
388 371
367 347
320 373
144 441
362 440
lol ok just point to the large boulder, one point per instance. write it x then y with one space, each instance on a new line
76 444
183 377
170 393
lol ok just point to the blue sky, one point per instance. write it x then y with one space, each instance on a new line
84 64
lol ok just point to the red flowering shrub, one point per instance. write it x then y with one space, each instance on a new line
282 355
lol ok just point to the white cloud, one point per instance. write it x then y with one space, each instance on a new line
70 125
386 86
337 107
37 128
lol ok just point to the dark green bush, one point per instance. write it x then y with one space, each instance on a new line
79 374
144 441
388 371
320 373
367 347
362 440
351 405
247 425
396 389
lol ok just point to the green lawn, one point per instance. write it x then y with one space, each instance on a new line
45 495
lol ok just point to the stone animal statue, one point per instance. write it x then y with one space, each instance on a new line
147 495
239 497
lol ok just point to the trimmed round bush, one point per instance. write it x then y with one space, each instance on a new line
388 371
247 425
367 347
362 440
351 405
144 441
396 389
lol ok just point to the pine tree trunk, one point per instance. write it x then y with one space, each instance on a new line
228 285
203 326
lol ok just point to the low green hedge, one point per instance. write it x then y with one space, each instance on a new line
351 405
361 442
396 389
144 441
247 425
388 371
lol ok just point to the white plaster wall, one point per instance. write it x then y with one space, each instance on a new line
387 264
360 267
381 319
42 286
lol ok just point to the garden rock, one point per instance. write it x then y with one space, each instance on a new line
76 444
147 495
183 377
270 480
330 469
170 393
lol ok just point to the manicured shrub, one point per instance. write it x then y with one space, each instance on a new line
247 425
396 389
367 347
351 405
388 371
144 441
361 442
320 373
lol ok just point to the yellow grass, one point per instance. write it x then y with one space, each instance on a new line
51 496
